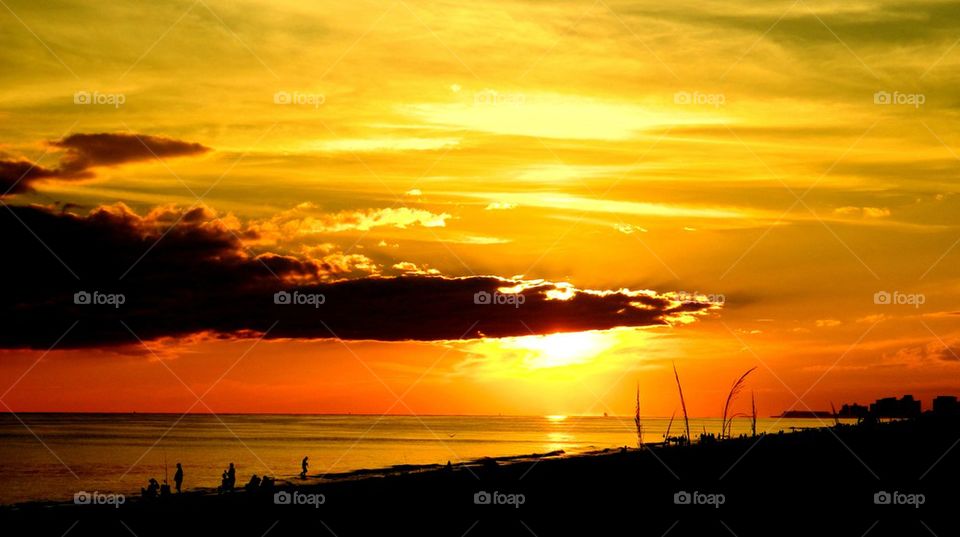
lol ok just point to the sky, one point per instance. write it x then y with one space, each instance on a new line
636 185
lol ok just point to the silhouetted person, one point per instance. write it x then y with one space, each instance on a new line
303 468
253 484
231 477
266 486
178 477
224 481
152 489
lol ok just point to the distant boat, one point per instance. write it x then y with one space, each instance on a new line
604 414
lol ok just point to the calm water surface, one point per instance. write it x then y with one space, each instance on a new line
52 456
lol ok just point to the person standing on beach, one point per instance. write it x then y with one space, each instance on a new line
231 477
178 477
303 468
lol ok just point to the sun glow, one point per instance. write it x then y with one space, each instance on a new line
557 350
546 115
560 357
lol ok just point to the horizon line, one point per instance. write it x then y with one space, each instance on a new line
340 414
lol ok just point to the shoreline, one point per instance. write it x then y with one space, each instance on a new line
813 478
293 481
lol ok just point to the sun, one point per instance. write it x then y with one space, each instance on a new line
564 349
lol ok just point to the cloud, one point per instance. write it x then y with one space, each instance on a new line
581 204
84 151
81 152
863 212
364 145
186 272
307 219
339 263
858 24
939 351
945 350
408 267
628 229
16 176
480 240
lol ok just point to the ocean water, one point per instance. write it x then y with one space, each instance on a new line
53 456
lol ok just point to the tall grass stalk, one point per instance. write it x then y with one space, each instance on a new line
637 422
666 436
727 424
683 404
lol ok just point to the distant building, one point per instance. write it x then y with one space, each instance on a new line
891 407
887 407
946 405
853 411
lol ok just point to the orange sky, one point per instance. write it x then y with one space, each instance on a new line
793 159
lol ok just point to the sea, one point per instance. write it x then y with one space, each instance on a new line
52 457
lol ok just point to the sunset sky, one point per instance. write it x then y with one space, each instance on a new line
714 185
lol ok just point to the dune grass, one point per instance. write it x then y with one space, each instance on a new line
727 423
683 404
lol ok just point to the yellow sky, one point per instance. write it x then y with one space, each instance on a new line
793 157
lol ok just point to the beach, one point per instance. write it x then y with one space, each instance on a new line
808 480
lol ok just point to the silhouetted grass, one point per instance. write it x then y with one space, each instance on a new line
727 423
683 404
637 422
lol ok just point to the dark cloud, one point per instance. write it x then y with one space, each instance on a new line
938 351
946 351
185 273
82 152
17 175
